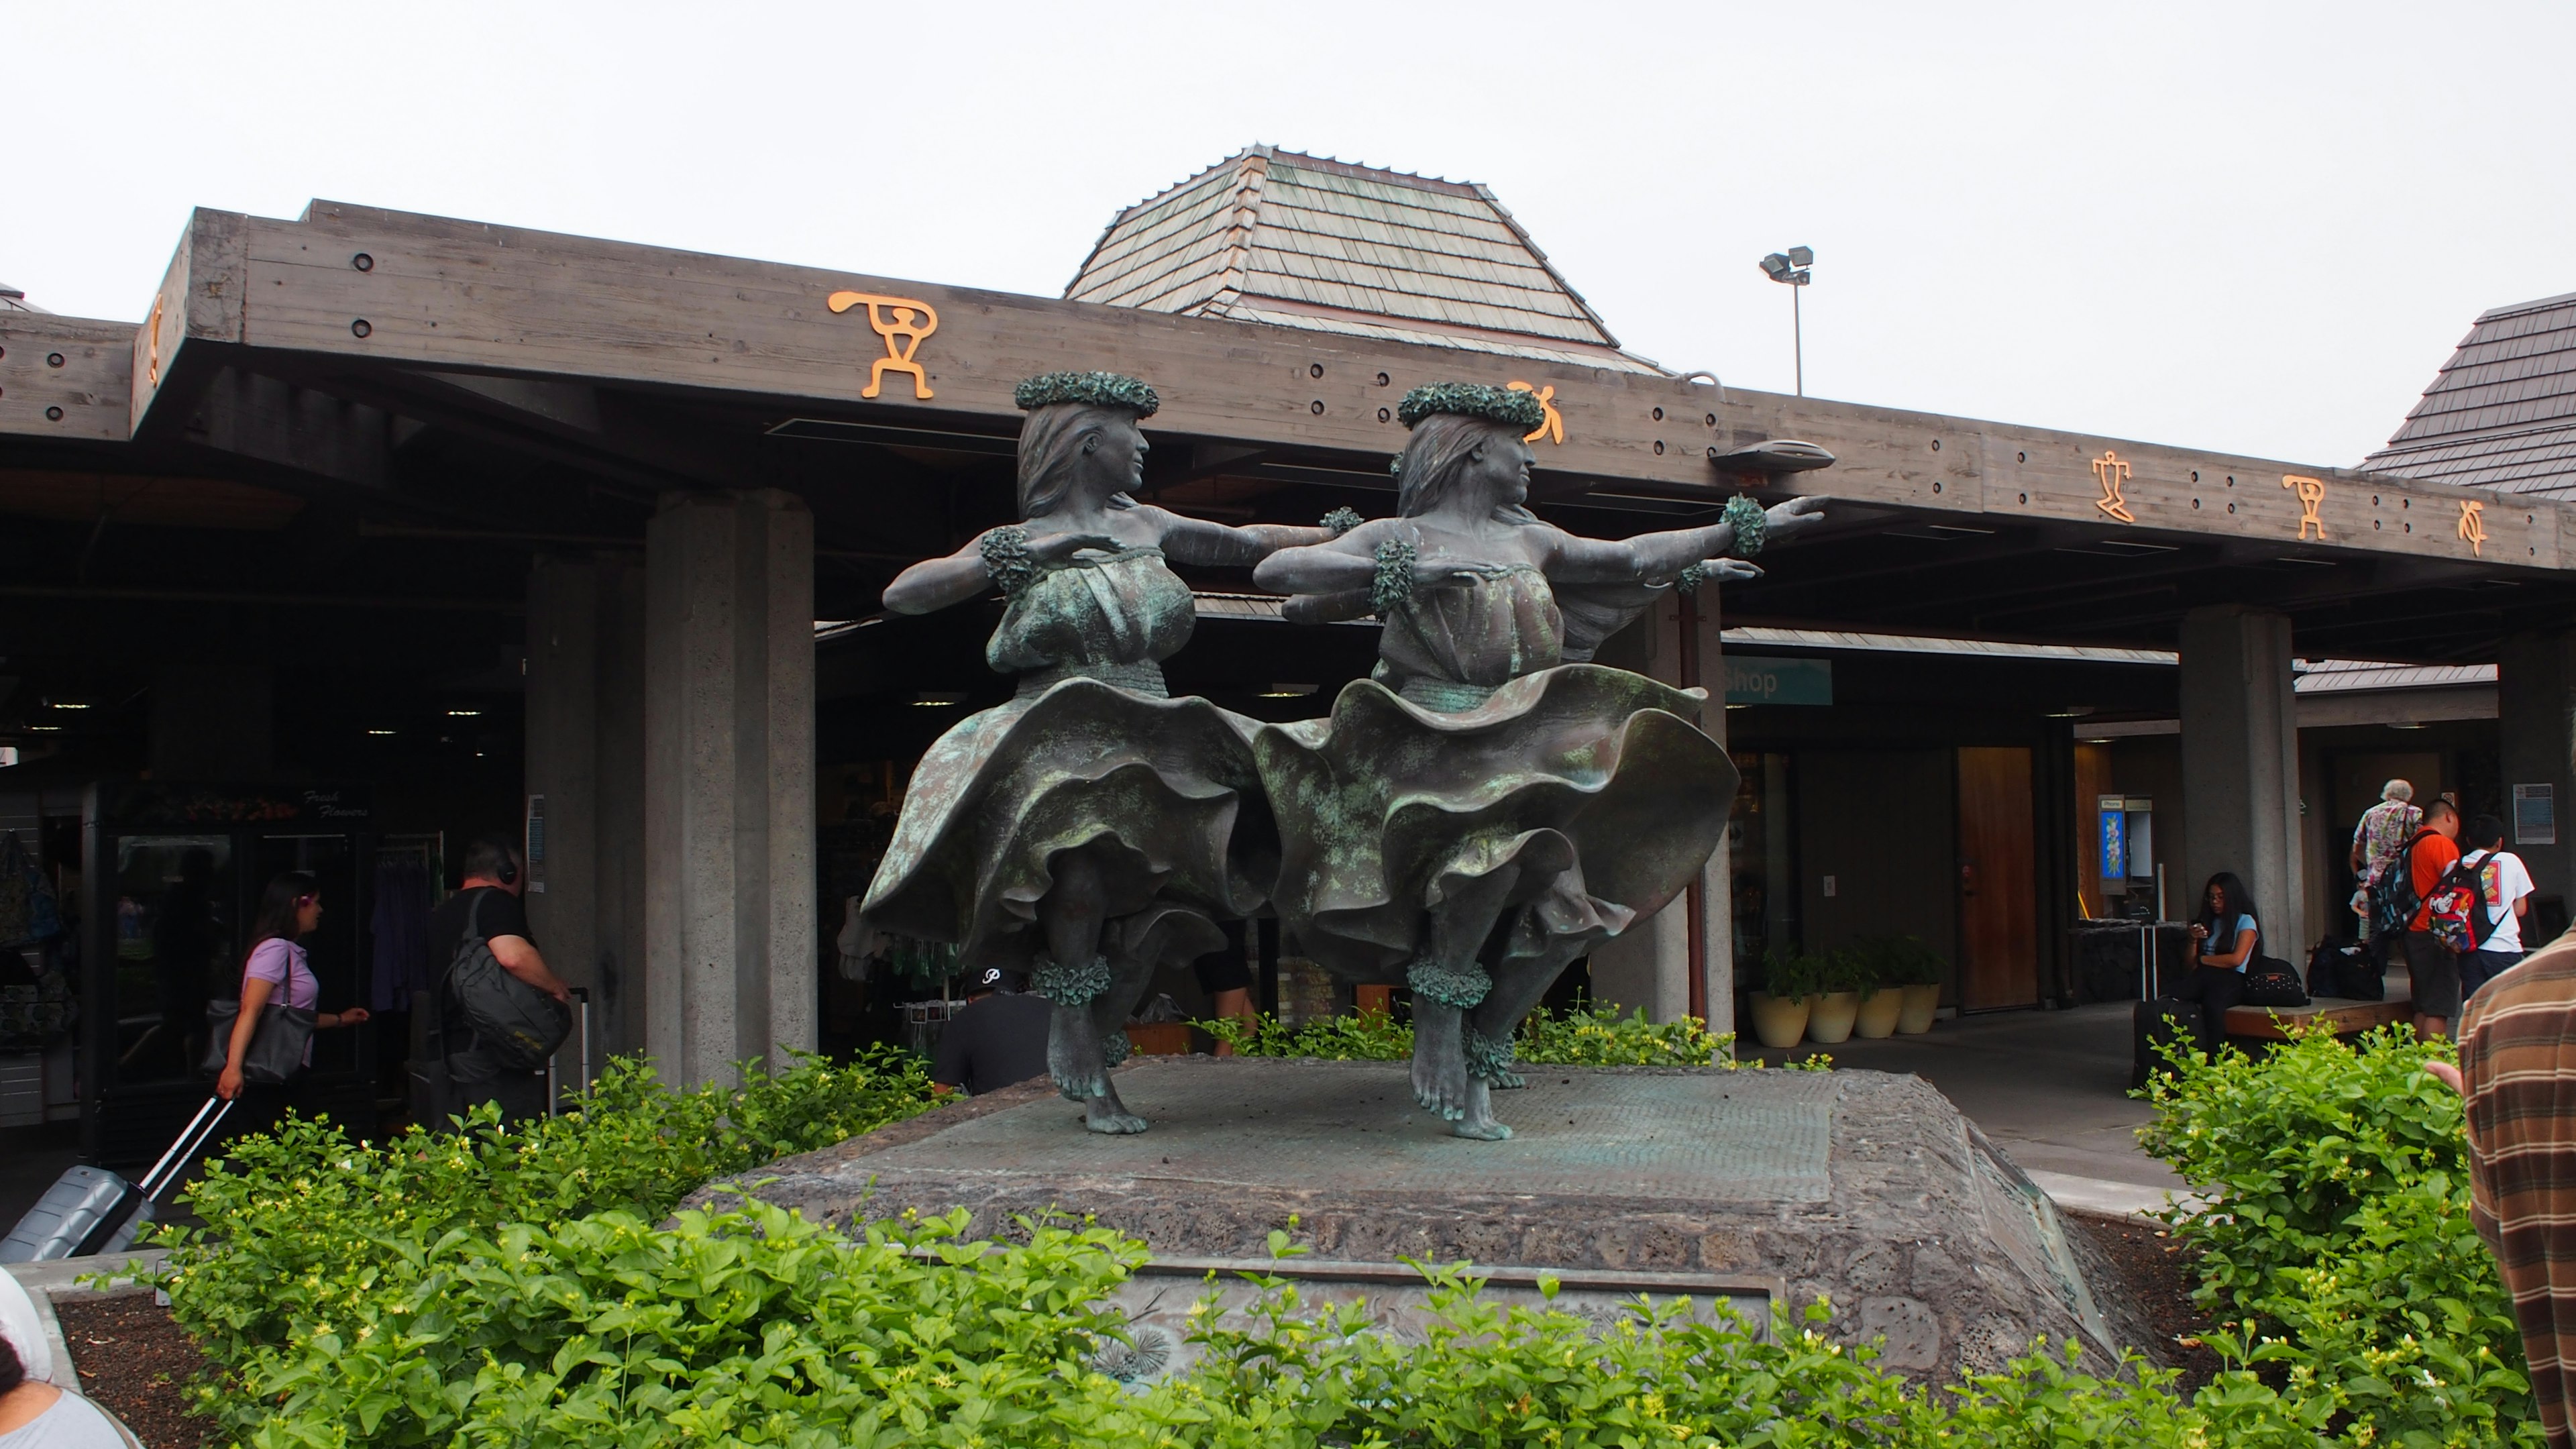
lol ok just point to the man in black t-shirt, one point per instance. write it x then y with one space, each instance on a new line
489 898
997 1039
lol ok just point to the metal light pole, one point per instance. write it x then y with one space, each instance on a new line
1789 268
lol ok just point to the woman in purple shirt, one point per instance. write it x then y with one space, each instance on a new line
276 968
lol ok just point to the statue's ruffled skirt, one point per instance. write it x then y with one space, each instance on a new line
1596 783
1161 794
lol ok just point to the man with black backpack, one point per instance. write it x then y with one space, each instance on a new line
487 909
2403 900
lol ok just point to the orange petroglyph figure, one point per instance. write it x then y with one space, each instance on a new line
2113 471
1552 427
2473 525
2312 496
152 365
903 323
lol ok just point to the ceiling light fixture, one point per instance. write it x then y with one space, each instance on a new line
1287 691
937 701
463 713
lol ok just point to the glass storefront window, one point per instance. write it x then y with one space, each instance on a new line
177 932
1762 865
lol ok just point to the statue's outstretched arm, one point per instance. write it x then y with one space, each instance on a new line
1654 557
1333 567
1216 545
961 577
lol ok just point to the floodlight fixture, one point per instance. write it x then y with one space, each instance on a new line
1789 269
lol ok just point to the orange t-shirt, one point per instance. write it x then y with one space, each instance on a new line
2429 858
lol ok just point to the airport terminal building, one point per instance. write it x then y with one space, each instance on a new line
378 531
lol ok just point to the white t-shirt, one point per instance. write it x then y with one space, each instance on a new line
2505 881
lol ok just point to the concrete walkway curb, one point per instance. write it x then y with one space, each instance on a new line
2097 1197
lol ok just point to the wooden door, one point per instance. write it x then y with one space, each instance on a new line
1998 881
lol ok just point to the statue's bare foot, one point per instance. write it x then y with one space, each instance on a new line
1073 1055
1478 1119
1508 1081
1439 1058
1105 1113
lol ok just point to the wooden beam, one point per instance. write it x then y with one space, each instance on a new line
410 291
64 377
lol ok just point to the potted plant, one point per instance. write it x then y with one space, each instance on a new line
1881 1001
1780 1009
1915 970
1839 976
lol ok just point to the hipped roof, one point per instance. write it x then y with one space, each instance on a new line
1301 241
2502 412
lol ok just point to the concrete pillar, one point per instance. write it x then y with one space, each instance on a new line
2535 702
2240 768
729 907
1650 966
585 771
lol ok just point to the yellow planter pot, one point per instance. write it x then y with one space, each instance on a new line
1921 1002
1878 1013
1779 1022
1830 1016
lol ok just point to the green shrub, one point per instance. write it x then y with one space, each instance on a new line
510 1287
1790 975
1848 968
1587 1036
302 1225
2340 1235
1904 961
1282 1373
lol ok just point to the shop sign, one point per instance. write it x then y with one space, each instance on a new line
1779 681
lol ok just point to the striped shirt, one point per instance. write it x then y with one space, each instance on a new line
2518 1067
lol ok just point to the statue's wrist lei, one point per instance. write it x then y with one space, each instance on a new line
1006 559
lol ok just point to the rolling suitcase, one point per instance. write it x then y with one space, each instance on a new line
2156 1023
92 1210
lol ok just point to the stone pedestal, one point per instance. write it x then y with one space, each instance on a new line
1749 1186
729 914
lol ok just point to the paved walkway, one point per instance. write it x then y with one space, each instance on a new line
2050 1087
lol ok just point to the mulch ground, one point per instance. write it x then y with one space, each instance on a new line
2155 1274
137 1363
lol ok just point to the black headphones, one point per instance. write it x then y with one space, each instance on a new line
508 874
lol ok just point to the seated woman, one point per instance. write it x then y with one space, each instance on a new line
1479 813
2226 937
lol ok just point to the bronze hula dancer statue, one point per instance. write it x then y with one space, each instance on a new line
1480 813
1093 826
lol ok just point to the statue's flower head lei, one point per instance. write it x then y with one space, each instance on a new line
1472 399
1092 389
1467 399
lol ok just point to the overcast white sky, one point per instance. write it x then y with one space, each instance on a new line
2248 227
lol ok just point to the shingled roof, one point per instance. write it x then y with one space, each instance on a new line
2502 414
1300 241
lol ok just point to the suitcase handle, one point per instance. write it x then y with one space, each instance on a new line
202 1126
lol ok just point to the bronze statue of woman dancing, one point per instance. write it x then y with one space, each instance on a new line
1093 826
1480 813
